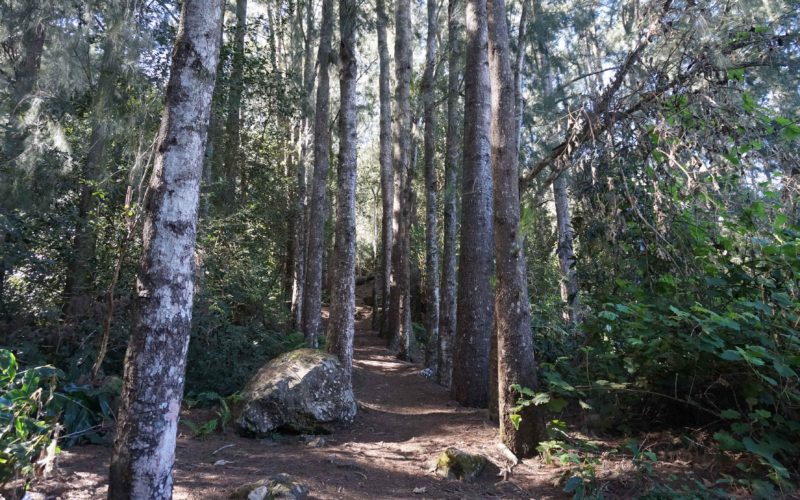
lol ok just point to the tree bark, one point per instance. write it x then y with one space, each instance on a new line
387 175
342 322
144 448
312 301
298 292
447 326
233 121
519 63
566 251
516 363
431 188
400 330
475 305
78 293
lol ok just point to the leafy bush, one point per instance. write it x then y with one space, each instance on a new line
28 424
38 409
222 416
719 348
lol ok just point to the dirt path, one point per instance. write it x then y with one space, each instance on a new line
404 422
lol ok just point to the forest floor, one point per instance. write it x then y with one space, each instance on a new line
404 422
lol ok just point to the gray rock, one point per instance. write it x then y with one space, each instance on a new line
301 391
456 464
280 487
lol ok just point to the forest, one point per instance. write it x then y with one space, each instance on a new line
380 249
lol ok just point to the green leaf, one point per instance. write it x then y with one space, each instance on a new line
727 442
608 315
523 390
736 74
790 132
515 418
572 484
541 398
730 414
748 103
783 370
557 404
731 355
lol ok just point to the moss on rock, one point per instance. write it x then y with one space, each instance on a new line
279 487
456 464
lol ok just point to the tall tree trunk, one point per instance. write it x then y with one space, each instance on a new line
2 283
298 292
447 327
144 449
291 221
566 251
78 293
299 247
312 306
341 325
494 393
216 135
387 175
233 159
475 305
516 364
400 331
431 213
519 63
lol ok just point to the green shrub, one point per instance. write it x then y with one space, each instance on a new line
28 425
39 410
718 349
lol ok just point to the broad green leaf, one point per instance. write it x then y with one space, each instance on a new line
731 355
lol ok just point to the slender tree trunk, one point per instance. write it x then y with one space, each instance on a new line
566 252
298 292
400 331
387 175
122 253
447 327
312 305
475 305
233 159
3 267
291 221
78 293
144 448
216 136
2 285
298 273
516 364
341 326
519 63
431 213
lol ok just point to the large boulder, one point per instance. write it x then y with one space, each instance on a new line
301 391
